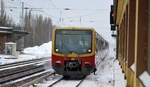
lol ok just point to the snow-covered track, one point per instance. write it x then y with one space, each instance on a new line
28 80
62 82
80 82
51 85
22 62
21 70
22 67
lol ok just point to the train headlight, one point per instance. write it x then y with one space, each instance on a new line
89 50
56 50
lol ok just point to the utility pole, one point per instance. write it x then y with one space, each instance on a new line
22 9
22 24
1 8
60 17
22 13
2 12
80 20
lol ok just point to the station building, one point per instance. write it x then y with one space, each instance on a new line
10 34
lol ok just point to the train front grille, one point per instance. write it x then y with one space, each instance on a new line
72 66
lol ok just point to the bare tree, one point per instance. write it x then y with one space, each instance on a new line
39 28
5 20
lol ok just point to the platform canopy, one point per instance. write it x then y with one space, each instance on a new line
17 32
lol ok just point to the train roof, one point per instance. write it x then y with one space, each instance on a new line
77 28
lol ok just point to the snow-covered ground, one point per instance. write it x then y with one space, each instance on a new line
39 51
109 73
28 53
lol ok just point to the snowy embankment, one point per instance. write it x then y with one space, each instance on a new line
28 53
40 51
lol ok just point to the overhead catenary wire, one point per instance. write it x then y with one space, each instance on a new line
64 16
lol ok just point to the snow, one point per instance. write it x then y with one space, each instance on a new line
109 73
13 67
145 77
132 67
10 43
4 59
28 54
67 83
91 83
119 80
30 76
51 80
41 51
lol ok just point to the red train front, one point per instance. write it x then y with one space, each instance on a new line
73 51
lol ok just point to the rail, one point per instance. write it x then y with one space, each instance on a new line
20 70
62 79
22 62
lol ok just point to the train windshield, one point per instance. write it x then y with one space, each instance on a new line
77 41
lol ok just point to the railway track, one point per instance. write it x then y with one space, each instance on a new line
23 73
22 63
28 80
63 82
27 73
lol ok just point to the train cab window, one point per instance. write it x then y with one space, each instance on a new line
77 41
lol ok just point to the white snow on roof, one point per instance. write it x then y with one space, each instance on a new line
10 43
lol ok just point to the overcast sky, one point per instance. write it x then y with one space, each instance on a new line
81 13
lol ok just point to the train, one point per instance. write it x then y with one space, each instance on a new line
74 50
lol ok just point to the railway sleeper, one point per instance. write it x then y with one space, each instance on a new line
29 80
12 71
21 74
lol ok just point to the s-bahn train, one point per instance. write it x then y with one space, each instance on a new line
74 50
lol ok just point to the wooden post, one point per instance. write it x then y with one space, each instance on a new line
141 34
131 31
